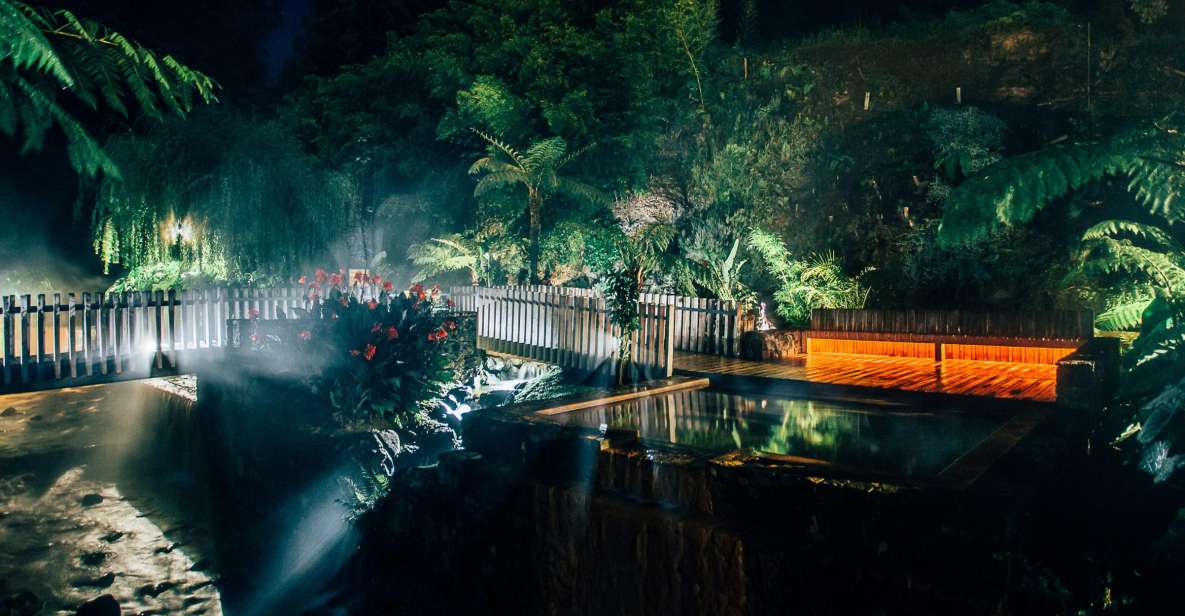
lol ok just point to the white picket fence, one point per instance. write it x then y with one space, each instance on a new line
75 338
63 339
572 330
699 325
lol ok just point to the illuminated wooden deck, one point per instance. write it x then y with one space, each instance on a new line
952 376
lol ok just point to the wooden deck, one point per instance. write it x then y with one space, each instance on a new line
1017 381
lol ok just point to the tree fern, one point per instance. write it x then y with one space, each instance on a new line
537 169
47 54
1124 317
446 254
1012 191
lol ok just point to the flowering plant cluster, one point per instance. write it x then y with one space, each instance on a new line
383 356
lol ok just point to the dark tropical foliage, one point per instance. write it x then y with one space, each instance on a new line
51 58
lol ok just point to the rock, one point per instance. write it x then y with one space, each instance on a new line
152 590
772 344
495 364
23 603
9 412
93 559
90 500
36 418
105 605
103 581
112 537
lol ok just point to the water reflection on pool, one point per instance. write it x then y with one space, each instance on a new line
850 435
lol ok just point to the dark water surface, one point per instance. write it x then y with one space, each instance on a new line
857 436
88 506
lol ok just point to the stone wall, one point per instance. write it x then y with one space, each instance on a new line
773 344
1087 378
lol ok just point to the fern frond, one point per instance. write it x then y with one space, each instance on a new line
545 154
502 147
1013 190
86 155
24 45
1120 228
580 191
491 181
491 165
1108 256
1124 317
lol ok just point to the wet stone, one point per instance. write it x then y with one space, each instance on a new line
9 412
105 605
112 537
90 500
23 603
103 581
152 590
93 559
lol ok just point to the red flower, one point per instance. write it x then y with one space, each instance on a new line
439 334
372 304
335 279
388 285
431 336
368 353
253 313
355 352
320 275
392 333
376 328
451 325
300 280
375 280
255 338
305 335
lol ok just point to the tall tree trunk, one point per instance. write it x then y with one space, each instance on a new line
534 217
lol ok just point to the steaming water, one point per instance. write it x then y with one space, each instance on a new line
112 490
83 514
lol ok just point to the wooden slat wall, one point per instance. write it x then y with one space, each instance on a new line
1051 325
96 334
699 325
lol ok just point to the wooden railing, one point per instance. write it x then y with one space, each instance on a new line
1051 325
569 329
75 338
1016 337
700 325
